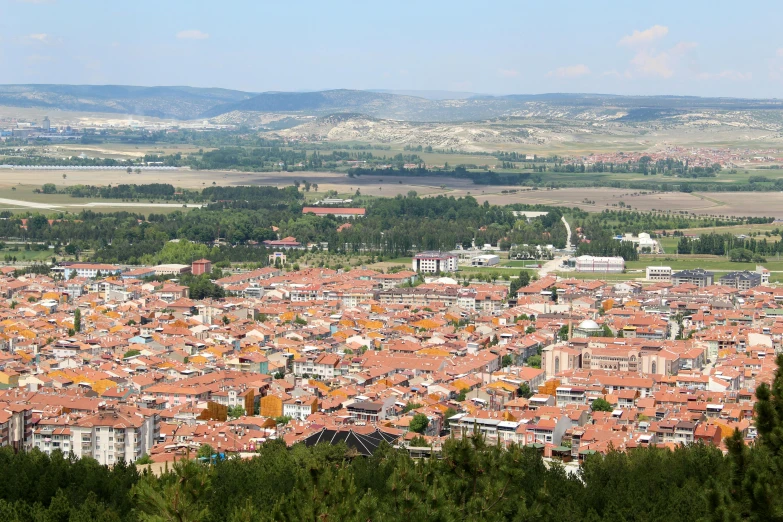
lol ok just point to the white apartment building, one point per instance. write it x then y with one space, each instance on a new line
325 366
434 261
659 273
108 436
300 408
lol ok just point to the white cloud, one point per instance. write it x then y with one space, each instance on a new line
508 73
779 52
683 47
652 64
571 71
649 62
644 37
192 34
39 37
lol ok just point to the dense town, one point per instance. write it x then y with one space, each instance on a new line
101 362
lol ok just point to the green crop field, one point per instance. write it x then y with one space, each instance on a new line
26 255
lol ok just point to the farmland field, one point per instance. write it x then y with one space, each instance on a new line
590 199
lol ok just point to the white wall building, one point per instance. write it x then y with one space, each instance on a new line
108 436
609 265
89 270
485 260
434 261
659 273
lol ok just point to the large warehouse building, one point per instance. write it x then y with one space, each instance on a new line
608 265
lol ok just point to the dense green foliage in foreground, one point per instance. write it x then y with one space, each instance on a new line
472 481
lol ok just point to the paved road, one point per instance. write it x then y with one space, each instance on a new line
568 229
59 206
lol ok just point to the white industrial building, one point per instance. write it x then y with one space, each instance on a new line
609 265
485 260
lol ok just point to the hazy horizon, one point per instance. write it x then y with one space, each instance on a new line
431 94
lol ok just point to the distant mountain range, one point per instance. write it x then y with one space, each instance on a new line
188 103
162 102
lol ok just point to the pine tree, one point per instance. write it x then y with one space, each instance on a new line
77 320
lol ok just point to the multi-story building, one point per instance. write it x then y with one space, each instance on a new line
300 407
434 261
741 280
659 273
324 366
449 295
109 436
698 277
570 395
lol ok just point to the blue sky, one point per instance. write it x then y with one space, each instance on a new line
686 47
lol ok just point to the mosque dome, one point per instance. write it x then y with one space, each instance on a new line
589 324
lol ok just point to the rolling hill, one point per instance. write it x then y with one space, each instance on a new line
162 102
187 103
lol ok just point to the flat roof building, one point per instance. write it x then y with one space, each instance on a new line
172 269
89 270
340 212
659 273
609 265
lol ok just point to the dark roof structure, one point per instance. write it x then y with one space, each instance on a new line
363 443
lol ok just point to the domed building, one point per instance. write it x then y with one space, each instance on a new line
588 328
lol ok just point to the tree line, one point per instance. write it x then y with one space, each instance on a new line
723 244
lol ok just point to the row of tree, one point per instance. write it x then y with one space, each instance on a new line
723 244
